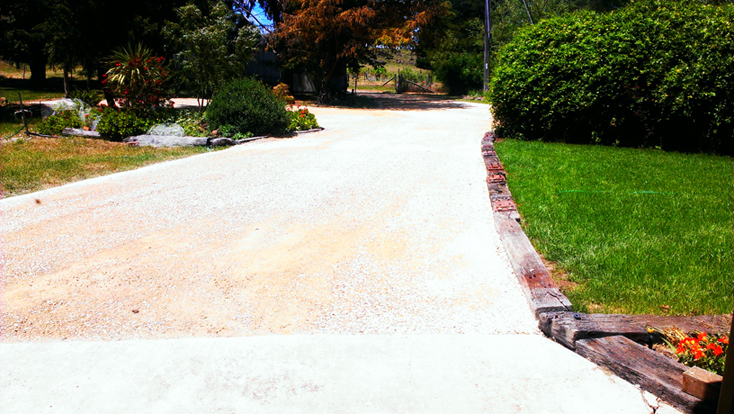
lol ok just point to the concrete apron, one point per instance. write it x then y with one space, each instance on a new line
310 374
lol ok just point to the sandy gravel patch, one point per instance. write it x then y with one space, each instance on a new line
379 224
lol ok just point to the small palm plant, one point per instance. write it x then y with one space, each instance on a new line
136 77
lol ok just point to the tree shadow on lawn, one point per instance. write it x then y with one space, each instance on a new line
402 102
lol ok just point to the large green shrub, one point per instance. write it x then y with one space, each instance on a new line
248 106
126 122
656 74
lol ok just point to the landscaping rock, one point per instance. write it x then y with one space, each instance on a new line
167 141
80 132
167 129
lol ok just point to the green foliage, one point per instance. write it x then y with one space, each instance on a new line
137 77
55 124
227 130
210 49
248 106
412 75
456 50
121 123
301 120
653 74
458 60
90 97
240 135
193 122
281 91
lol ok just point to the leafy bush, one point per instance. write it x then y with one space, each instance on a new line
137 78
412 75
193 121
281 91
90 97
458 61
302 120
126 122
652 74
248 106
55 124
460 71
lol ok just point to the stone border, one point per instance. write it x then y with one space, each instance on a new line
607 340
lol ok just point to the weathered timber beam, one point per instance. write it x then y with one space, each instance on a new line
569 327
540 290
637 364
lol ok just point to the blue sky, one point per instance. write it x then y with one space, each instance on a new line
261 17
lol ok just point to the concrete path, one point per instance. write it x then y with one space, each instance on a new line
197 285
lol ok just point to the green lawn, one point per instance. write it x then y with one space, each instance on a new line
635 231
41 163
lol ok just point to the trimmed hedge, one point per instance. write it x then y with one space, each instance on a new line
247 106
652 74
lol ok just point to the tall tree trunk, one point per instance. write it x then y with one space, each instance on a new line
326 90
38 69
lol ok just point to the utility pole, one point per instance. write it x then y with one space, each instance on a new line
487 39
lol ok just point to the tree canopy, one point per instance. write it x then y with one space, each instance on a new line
209 46
325 37
39 32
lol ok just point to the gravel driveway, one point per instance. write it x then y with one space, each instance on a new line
379 224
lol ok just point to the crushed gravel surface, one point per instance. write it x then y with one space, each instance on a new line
381 223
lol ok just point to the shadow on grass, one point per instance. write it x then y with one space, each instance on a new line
53 88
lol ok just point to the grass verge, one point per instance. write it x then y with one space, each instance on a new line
40 163
632 231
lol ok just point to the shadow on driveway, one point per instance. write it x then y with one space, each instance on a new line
402 102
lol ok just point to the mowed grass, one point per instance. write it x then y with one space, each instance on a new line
40 163
634 231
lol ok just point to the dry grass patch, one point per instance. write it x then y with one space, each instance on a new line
40 163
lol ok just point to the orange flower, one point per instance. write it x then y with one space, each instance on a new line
718 350
724 340
702 336
698 354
